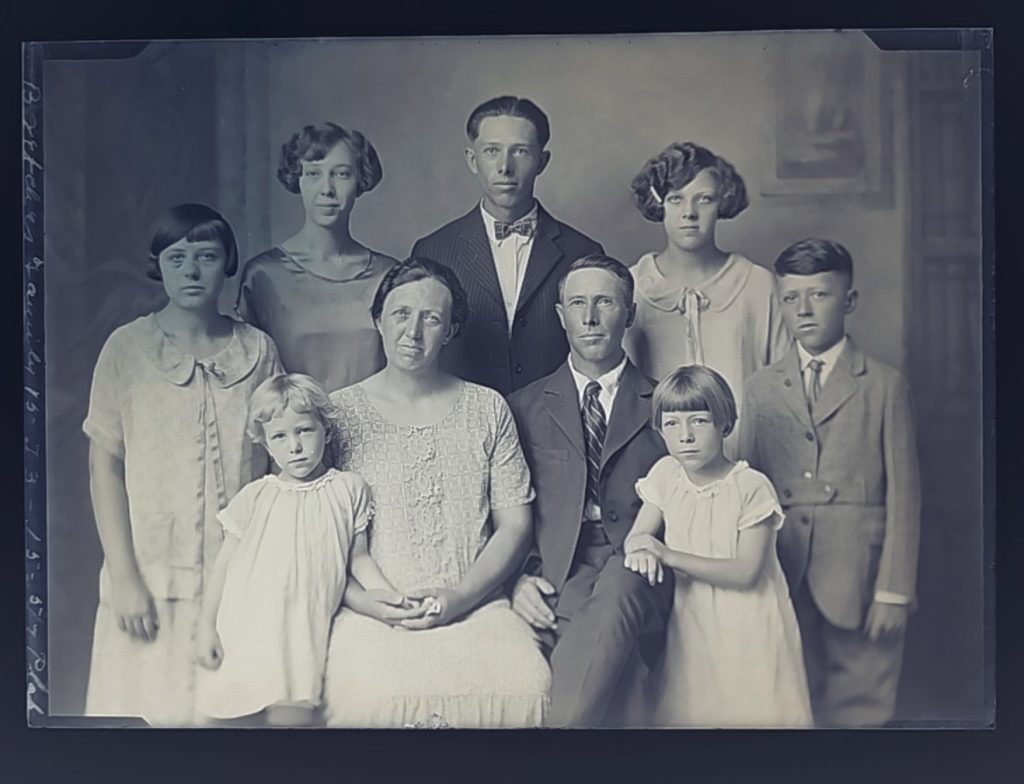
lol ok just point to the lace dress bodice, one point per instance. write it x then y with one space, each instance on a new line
434 486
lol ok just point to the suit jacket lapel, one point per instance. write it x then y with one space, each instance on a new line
791 386
631 411
841 383
561 399
544 256
475 260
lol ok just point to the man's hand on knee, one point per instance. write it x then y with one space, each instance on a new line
532 599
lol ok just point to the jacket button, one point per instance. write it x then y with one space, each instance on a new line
809 436
809 475
788 493
805 519
613 516
828 488
518 367
787 383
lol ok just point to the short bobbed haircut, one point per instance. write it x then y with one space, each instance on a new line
813 255
696 388
675 167
421 268
607 263
313 143
297 391
192 223
510 106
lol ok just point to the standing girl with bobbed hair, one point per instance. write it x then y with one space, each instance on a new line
166 425
312 293
696 303
733 656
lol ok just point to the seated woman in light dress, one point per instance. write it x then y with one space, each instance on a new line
452 523
312 292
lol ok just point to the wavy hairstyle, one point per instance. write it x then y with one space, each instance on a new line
313 143
674 168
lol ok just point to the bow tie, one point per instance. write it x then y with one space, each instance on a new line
524 226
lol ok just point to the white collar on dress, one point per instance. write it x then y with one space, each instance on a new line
719 290
227 367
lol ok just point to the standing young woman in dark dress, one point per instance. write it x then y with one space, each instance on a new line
312 292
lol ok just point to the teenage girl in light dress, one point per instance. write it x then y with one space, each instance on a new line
167 450
697 303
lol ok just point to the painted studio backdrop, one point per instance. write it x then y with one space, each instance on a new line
878 150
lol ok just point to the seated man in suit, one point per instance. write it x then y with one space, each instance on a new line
585 429
508 252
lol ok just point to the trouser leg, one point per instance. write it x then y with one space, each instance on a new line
599 639
853 681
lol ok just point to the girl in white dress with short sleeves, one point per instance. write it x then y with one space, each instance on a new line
290 540
732 652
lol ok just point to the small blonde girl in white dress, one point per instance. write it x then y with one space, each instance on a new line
732 653
290 540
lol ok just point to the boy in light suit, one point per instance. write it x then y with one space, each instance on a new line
834 430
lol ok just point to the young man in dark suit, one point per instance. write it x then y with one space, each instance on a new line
508 251
585 430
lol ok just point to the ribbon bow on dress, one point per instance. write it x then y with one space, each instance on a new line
715 294
691 302
213 369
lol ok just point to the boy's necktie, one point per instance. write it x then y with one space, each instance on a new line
594 427
813 381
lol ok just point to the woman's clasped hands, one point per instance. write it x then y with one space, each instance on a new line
420 609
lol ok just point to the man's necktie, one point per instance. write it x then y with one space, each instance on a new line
523 226
814 381
594 426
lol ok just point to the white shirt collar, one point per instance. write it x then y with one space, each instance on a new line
489 220
609 381
828 357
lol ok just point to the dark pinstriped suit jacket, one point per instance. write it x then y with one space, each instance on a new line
484 353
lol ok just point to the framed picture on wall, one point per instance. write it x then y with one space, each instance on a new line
824 117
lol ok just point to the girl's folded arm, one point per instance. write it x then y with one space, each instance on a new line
649 520
740 573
